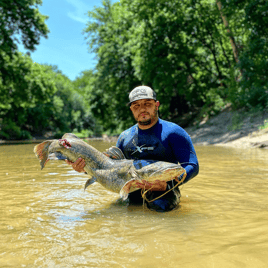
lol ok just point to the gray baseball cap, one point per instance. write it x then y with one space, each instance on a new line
140 93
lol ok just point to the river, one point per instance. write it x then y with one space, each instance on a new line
47 220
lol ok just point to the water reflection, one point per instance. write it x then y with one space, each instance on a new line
47 220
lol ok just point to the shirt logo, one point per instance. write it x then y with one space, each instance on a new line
141 148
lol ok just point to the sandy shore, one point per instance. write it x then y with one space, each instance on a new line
232 129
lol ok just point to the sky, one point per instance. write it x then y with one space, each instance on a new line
66 46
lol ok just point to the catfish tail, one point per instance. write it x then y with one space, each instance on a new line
41 152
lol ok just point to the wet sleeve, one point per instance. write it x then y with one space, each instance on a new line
119 143
184 153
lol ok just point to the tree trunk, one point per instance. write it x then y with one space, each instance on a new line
226 24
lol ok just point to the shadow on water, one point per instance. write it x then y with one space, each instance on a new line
133 216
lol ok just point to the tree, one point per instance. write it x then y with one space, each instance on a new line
34 98
251 89
20 22
28 86
70 108
114 76
40 99
174 46
226 24
181 49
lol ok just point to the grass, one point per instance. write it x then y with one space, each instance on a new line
265 125
237 122
84 134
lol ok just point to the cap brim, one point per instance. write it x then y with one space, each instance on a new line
129 103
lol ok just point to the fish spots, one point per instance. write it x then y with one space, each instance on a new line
65 143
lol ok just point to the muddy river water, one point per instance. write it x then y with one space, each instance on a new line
47 220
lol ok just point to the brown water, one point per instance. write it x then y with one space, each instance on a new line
47 220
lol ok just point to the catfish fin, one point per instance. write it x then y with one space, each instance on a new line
41 152
123 194
115 153
126 189
134 174
70 136
89 182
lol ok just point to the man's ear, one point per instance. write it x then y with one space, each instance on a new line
157 104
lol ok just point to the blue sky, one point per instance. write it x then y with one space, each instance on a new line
66 45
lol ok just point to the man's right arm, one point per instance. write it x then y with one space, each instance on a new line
120 142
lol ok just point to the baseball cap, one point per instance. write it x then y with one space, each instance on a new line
141 92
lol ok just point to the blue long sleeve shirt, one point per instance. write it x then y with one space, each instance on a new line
165 141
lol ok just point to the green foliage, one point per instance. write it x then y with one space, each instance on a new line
71 109
109 86
177 47
22 23
27 88
237 122
251 88
21 20
84 133
34 98
9 130
265 124
181 49
40 99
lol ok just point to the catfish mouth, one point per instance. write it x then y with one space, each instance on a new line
156 179
54 156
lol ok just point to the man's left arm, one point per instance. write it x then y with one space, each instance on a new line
185 154
191 167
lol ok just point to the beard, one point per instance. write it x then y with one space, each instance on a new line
148 121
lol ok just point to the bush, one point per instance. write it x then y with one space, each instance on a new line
10 131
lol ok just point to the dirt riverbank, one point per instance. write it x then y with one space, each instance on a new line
236 129
229 128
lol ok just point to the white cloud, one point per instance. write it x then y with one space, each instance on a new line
80 10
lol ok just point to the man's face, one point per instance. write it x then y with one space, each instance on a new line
145 111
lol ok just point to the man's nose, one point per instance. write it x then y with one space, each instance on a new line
142 107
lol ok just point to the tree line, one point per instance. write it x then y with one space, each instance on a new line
198 55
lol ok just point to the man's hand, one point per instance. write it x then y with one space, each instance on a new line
153 186
78 165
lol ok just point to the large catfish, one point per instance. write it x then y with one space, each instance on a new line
119 175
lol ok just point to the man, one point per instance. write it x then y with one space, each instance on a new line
155 139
